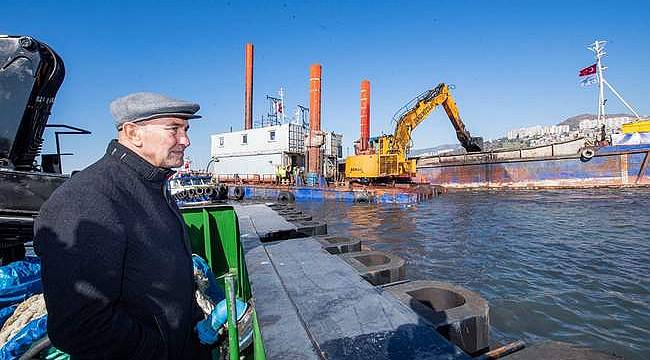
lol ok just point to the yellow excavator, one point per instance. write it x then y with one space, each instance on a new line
641 125
387 158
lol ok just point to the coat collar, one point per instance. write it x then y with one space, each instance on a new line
141 166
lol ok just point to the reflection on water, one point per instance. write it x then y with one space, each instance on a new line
565 265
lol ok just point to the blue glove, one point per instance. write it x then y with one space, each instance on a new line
220 315
207 335
208 328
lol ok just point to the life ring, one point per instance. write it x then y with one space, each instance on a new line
587 153
238 193
286 197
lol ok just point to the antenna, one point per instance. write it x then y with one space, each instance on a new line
598 47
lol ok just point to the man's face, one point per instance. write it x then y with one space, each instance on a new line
164 141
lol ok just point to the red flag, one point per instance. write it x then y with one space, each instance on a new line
588 70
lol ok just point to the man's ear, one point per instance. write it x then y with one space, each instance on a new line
132 133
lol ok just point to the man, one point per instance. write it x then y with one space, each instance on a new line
117 267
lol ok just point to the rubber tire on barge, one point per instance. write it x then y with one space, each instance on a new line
220 193
377 267
238 193
285 197
460 315
587 153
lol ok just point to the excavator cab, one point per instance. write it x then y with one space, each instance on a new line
30 76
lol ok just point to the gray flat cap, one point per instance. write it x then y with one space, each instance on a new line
146 106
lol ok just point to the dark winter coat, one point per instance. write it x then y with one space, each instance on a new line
117 268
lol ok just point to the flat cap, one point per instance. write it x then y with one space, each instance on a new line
146 106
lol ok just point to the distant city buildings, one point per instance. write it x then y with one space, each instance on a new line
582 126
612 124
537 131
544 135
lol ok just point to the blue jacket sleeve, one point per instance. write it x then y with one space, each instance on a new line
82 247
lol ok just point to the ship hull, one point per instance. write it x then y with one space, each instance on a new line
610 166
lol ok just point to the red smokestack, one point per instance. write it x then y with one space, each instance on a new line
314 116
248 105
365 115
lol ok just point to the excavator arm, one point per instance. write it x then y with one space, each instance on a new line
389 159
413 113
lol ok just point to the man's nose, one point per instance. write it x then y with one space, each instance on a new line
184 139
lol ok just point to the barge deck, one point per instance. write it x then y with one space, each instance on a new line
312 305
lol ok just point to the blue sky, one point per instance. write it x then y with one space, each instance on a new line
514 63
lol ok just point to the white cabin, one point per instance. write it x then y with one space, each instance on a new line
260 151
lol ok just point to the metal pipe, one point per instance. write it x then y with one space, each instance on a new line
365 115
231 307
315 74
622 100
248 104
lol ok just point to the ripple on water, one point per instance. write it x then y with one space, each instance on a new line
564 265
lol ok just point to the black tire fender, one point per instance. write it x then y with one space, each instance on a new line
238 193
587 153
286 197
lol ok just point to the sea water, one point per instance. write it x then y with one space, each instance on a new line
565 265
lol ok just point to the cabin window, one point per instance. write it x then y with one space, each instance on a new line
221 141
272 135
244 139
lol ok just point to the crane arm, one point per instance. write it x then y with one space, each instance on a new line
412 115
466 140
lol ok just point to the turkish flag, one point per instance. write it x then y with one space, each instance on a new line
588 70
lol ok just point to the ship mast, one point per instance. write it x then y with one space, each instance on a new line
598 47
281 94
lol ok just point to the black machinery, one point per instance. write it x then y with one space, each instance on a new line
30 76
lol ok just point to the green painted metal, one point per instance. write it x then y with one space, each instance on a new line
258 346
233 336
214 235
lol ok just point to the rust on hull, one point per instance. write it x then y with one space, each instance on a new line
610 167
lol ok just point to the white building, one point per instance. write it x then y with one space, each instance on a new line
260 151
537 131
613 123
